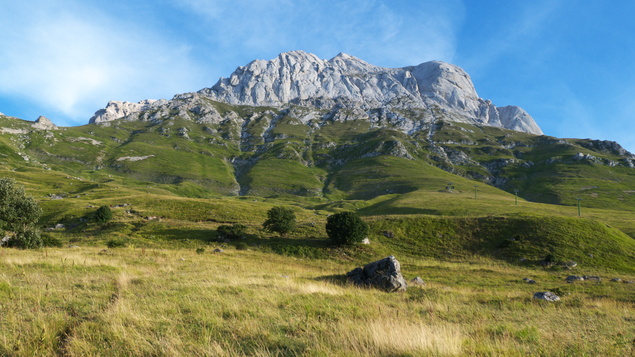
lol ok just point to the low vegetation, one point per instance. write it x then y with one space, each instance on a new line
176 302
158 256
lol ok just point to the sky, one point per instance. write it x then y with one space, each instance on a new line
569 63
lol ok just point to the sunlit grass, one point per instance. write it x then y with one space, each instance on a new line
133 301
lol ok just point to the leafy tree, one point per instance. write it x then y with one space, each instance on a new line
18 215
346 228
280 220
103 214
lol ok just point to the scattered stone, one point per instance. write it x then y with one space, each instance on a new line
573 278
570 264
218 250
547 296
389 234
366 241
182 259
591 255
592 278
285 276
60 226
629 281
616 280
529 281
73 246
417 281
384 274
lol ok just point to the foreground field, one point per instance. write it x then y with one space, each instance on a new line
133 301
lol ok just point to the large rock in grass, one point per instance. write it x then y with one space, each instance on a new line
384 274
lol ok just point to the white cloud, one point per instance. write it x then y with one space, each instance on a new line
74 59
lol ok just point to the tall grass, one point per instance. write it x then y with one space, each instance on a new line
135 302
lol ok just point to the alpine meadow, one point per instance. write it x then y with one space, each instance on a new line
223 222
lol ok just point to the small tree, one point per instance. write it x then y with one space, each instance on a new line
103 214
280 220
346 228
18 215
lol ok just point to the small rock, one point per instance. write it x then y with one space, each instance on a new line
629 281
73 246
572 278
389 234
182 259
417 281
529 281
592 278
366 241
616 280
547 296
218 250
591 255
60 226
570 264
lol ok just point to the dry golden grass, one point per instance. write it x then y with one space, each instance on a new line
131 302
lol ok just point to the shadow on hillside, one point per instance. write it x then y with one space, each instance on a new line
337 279
180 234
386 207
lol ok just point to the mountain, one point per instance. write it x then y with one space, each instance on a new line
368 133
347 84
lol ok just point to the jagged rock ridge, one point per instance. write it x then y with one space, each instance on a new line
432 89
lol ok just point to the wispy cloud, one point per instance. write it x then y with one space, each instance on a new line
382 32
73 59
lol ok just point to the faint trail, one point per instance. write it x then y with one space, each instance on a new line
66 335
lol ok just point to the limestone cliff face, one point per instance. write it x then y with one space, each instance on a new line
116 109
436 90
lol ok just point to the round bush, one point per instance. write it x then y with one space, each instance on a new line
280 220
103 214
346 228
235 231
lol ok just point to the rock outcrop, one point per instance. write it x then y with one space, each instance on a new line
384 274
116 109
348 88
43 123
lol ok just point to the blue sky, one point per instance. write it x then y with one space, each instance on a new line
569 63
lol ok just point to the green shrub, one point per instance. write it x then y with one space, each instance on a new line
346 228
18 214
115 243
280 220
200 250
241 246
103 214
235 231
26 240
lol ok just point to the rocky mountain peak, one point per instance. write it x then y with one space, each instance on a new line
437 90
